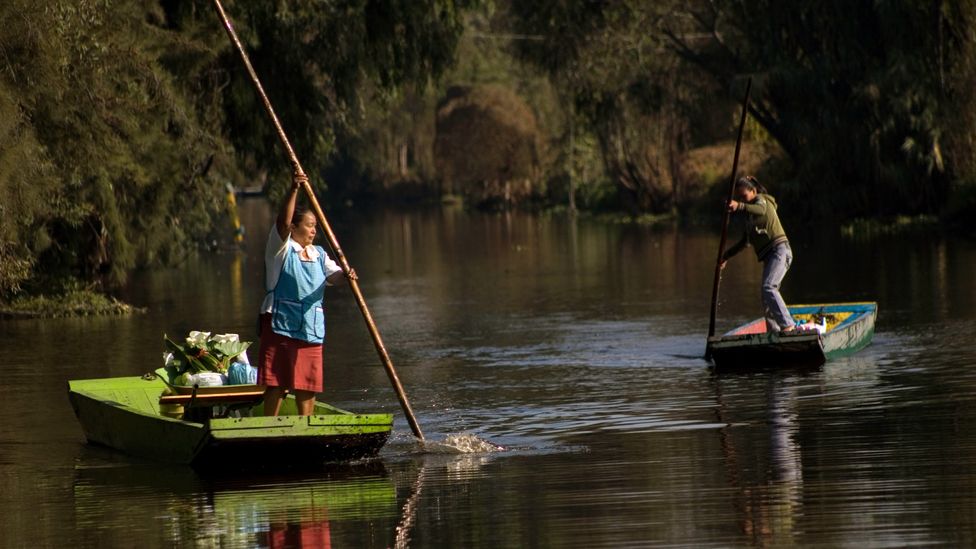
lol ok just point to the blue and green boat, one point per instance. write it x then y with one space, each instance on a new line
832 330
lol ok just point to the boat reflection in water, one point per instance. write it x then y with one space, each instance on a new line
352 503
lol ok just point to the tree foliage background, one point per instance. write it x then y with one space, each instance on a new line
122 122
873 101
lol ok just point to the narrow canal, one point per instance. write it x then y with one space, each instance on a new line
576 346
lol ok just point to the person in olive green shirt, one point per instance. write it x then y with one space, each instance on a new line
764 232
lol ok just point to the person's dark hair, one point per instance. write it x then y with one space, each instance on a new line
751 183
300 212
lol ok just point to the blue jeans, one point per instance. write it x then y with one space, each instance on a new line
775 265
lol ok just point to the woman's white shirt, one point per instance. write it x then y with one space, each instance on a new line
275 252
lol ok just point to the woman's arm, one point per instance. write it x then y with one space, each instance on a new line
734 249
288 205
758 207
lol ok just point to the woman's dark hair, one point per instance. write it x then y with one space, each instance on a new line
751 183
300 212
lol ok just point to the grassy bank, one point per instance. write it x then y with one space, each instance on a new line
71 303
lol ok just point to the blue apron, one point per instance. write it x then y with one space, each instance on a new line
297 311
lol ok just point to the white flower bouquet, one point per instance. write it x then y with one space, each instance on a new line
201 353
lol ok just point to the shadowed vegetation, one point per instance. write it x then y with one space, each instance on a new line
122 123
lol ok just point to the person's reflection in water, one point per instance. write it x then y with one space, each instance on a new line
783 446
782 494
307 532
768 500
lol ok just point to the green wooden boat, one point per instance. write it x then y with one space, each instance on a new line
218 427
845 329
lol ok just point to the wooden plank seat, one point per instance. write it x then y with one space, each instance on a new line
201 405
214 399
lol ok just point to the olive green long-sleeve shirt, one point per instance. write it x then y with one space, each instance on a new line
763 229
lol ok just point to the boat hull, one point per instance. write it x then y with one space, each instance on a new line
764 351
750 346
123 414
113 424
289 451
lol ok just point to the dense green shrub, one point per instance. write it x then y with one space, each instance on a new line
122 122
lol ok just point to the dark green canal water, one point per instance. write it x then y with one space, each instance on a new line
574 345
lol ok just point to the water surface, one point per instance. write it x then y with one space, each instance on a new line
573 345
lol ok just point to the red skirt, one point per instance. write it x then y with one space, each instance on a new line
288 363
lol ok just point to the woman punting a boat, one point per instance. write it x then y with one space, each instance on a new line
764 232
292 321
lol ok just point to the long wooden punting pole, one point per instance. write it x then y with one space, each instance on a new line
324 223
725 220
